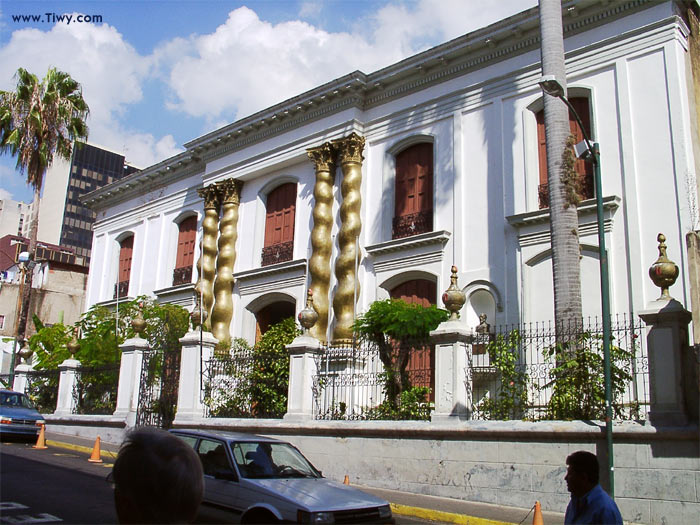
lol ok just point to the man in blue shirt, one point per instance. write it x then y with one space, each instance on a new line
589 505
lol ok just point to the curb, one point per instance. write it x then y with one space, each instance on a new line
79 448
446 517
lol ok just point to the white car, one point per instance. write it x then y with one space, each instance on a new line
269 481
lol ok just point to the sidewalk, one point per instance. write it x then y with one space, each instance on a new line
434 508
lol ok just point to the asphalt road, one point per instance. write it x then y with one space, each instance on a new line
57 485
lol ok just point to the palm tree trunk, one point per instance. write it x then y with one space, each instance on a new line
563 214
27 290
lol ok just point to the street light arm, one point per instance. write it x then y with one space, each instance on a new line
586 138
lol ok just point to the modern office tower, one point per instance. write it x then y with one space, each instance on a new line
63 218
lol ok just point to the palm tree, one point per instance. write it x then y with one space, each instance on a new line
37 121
563 214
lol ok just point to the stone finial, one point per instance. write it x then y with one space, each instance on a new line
25 352
138 323
663 272
308 316
197 316
73 345
454 297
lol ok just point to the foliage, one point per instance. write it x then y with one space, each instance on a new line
392 325
578 384
227 390
99 343
258 380
509 398
413 405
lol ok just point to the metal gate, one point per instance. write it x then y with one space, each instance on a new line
158 387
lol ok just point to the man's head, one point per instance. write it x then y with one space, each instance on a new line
582 472
157 479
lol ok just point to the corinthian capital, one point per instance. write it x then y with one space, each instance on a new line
210 194
350 148
322 156
229 191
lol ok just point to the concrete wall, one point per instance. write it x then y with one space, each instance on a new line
512 463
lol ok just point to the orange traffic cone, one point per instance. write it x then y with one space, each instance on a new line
537 518
346 481
41 440
96 455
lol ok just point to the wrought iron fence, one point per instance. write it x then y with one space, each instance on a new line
520 372
243 384
158 388
95 390
353 383
42 389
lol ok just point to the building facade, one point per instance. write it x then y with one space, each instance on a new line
14 217
374 185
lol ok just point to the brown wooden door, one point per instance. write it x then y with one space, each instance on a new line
421 363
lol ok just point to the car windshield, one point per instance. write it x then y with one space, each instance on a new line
14 399
259 459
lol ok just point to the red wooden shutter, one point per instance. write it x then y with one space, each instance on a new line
279 221
414 180
125 254
185 242
583 167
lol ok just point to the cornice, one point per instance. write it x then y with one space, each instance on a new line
587 207
486 46
406 243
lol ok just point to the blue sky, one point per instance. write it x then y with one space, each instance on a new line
158 73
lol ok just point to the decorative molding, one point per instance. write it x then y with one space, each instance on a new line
610 204
406 243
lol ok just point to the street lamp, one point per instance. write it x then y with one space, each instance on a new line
551 86
25 264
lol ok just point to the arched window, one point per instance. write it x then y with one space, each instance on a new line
583 168
187 232
279 224
421 363
413 209
126 250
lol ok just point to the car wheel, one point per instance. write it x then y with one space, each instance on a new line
259 516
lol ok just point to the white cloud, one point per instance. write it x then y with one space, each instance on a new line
109 69
247 64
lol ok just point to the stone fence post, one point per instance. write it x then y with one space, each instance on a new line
673 389
302 366
68 377
453 392
130 378
673 374
20 382
197 349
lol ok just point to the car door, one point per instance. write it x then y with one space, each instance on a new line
220 480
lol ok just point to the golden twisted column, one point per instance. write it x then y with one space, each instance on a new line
206 268
323 158
350 159
229 193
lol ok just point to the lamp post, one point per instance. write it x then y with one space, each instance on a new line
25 264
552 87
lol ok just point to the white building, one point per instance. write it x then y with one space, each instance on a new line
14 217
464 114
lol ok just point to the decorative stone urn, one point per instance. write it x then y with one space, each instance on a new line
138 323
197 316
454 297
663 272
308 316
73 345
